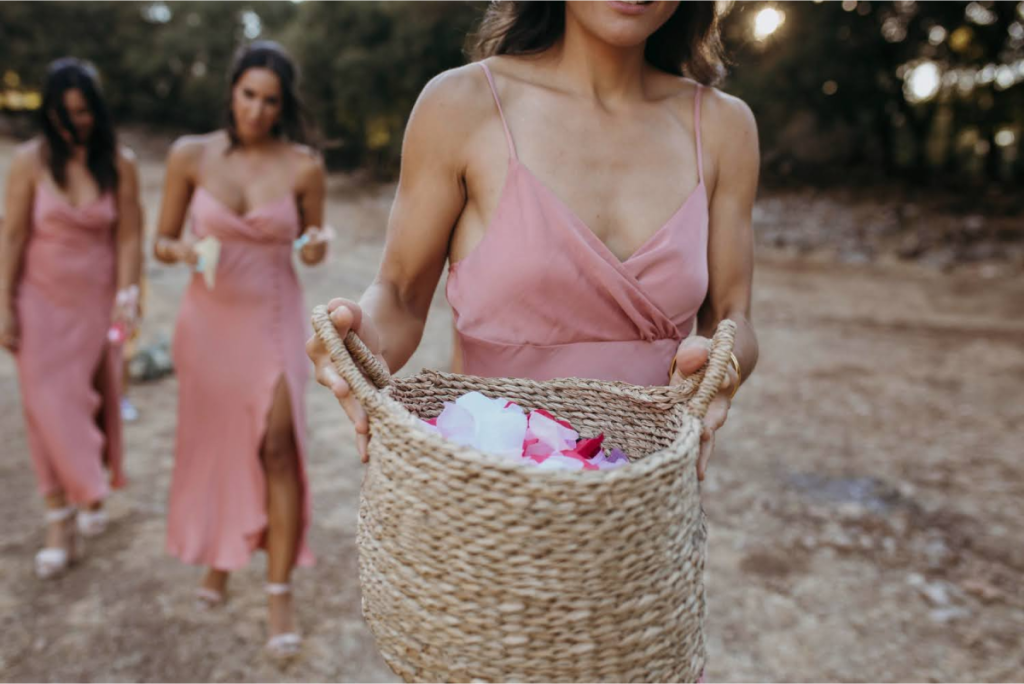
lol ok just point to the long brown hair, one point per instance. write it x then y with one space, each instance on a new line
689 43
67 74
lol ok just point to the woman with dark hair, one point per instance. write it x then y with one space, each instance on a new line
255 194
592 194
69 273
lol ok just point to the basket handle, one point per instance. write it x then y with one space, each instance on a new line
353 359
716 368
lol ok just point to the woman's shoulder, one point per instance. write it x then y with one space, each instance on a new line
195 145
724 109
309 163
305 155
126 159
724 118
187 152
728 126
456 97
28 156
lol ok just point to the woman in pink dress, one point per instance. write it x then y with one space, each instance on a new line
591 192
251 191
69 273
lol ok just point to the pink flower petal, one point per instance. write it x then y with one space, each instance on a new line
588 448
550 431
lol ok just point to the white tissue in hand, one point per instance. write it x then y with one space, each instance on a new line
208 250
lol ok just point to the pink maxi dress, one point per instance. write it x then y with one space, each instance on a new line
70 376
232 345
542 297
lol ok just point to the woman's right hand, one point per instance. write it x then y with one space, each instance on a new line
185 252
9 329
177 251
346 315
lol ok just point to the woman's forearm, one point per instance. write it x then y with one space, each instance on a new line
12 247
129 258
745 346
167 250
399 327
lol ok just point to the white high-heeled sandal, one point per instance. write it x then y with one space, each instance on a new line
92 523
52 561
208 599
285 645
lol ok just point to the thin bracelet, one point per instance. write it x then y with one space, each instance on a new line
739 376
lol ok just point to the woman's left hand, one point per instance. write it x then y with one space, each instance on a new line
126 310
315 241
691 355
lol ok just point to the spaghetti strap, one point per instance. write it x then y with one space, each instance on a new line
696 131
504 123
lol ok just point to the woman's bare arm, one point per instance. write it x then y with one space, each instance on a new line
431 196
734 144
129 222
311 191
21 183
179 183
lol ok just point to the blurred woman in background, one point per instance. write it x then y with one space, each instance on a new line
255 193
69 276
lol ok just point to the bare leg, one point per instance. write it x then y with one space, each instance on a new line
216 580
284 505
59 533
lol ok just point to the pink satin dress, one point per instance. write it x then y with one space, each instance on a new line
542 297
232 346
70 376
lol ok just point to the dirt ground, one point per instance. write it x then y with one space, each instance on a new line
864 500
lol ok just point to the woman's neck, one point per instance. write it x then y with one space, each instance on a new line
605 72
78 153
256 145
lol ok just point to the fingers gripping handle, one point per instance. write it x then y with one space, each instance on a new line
352 359
717 367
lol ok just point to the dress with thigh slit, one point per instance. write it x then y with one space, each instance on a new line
70 376
233 344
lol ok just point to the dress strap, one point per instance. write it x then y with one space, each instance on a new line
497 101
696 129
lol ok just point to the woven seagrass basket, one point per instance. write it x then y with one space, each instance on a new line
476 568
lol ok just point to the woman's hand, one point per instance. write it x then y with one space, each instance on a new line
314 244
176 251
9 333
691 355
126 310
346 315
184 251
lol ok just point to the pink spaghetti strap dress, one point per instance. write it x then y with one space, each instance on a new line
233 344
542 297
70 376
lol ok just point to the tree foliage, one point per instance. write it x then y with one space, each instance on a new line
830 86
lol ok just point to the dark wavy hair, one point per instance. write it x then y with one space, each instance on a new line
266 54
689 43
67 74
